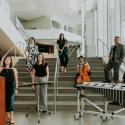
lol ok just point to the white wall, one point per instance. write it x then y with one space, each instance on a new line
38 23
91 51
90 4
9 29
53 34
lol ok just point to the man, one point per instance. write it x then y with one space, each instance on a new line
116 57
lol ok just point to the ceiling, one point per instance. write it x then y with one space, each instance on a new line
30 9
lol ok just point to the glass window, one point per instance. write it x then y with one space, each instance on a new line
122 2
111 21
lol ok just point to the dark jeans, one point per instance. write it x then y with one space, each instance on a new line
109 66
64 58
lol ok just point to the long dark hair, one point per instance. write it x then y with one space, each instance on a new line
11 64
60 37
84 58
43 59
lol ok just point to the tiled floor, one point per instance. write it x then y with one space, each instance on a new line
64 118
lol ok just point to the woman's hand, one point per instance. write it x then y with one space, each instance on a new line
33 87
16 91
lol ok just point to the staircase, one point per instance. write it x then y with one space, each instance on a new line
67 94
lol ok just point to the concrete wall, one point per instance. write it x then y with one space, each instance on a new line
9 34
38 23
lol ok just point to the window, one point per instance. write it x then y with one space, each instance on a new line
111 21
46 48
122 4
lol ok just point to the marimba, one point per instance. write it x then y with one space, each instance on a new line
37 108
112 91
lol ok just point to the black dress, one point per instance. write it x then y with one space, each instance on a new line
9 88
63 55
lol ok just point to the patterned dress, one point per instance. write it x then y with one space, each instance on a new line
32 55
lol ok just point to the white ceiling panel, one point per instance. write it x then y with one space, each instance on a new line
30 9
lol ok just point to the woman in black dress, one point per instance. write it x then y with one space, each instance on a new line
63 52
31 53
11 86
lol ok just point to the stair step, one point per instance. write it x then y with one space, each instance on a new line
61 74
67 94
69 69
60 97
60 105
67 78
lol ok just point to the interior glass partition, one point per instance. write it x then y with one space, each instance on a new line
111 21
122 16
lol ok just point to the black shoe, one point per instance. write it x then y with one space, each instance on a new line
44 111
82 96
107 81
113 103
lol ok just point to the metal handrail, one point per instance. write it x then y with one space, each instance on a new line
104 45
76 46
56 81
15 20
56 76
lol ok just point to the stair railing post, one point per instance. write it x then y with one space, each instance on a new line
103 49
97 47
56 82
15 51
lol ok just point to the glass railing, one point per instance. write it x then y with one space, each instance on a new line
18 25
4 4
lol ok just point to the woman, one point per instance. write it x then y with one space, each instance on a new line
83 74
11 86
32 51
63 52
40 74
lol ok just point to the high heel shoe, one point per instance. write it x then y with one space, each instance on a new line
64 69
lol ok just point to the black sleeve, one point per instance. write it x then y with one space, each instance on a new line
34 66
46 64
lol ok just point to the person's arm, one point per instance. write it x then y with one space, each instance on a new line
66 44
78 68
0 68
47 72
33 77
16 80
88 66
110 53
26 52
122 54
37 50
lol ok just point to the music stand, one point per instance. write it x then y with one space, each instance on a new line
37 108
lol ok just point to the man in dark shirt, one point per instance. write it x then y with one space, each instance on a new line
116 57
